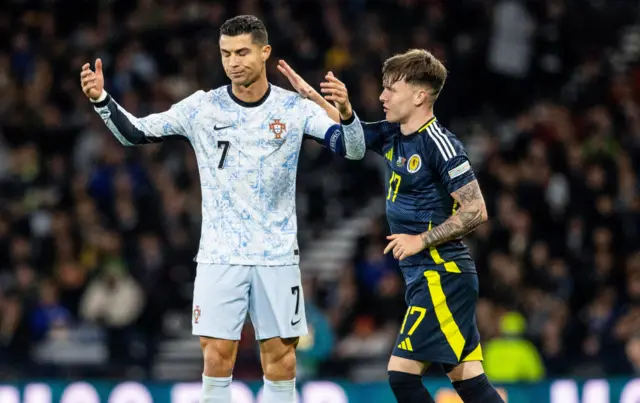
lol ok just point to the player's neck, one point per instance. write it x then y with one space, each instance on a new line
415 122
254 92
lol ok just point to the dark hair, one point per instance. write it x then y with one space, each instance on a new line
246 24
416 66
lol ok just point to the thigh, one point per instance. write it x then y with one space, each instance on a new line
406 365
220 301
439 325
464 371
276 304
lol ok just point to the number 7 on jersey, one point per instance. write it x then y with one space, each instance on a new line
225 145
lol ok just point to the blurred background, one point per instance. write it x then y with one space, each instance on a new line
97 240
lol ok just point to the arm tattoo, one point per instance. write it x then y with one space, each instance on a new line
470 215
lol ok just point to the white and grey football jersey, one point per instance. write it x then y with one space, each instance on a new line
247 159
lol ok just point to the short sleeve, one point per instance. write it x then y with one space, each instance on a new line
448 159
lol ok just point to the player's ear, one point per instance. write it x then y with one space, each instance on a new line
266 52
421 96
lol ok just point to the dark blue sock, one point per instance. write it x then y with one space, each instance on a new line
477 390
408 388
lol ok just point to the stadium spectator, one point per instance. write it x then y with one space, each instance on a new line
525 361
556 146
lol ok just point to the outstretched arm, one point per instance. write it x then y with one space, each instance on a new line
373 131
128 129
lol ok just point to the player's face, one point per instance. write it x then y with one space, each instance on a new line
243 60
400 100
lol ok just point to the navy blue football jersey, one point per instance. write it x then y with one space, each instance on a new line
423 169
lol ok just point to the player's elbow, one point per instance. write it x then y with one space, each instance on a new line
478 210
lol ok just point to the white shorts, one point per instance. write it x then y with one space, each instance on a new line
272 295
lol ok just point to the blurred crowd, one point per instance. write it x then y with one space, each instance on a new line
97 241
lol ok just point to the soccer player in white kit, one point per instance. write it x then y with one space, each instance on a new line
247 138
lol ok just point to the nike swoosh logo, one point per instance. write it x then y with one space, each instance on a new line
221 127
296 322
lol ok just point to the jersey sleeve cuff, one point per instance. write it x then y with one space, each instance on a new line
458 183
348 121
102 100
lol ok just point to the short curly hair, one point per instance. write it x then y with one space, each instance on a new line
246 24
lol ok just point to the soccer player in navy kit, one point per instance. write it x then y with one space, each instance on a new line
433 200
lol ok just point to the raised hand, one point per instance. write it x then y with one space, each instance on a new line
92 82
335 91
307 91
298 83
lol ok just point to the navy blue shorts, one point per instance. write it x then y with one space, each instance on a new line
440 323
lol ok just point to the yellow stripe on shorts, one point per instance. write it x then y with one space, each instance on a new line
445 317
475 355
451 267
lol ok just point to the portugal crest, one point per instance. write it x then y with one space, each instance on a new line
196 314
278 128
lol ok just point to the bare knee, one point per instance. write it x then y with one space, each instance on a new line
219 356
465 370
279 358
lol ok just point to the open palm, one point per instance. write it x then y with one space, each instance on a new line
298 83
